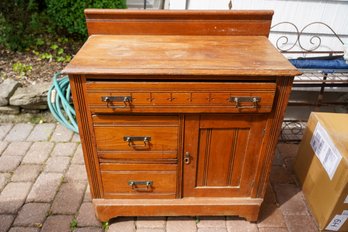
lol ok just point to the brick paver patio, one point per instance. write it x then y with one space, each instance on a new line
43 187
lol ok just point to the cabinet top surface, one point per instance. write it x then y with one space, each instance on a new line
179 55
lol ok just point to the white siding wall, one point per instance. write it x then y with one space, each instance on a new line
300 12
207 4
177 4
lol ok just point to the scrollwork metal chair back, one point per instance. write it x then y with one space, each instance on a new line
315 40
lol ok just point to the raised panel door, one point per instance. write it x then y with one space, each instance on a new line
221 153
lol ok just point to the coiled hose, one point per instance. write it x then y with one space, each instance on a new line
59 102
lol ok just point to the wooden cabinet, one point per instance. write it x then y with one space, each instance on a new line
180 118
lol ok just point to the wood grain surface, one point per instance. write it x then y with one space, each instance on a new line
172 97
179 55
224 150
178 22
115 178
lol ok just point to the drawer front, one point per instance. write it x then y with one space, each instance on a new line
138 180
186 97
136 137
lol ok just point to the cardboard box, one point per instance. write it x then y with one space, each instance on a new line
322 168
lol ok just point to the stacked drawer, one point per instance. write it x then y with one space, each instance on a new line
137 155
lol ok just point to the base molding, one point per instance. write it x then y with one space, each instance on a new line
247 208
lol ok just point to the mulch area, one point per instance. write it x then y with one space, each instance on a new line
42 70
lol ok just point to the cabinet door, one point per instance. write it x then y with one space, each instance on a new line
221 154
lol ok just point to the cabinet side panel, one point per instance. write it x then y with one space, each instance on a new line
86 134
273 129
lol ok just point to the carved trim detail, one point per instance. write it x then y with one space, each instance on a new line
274 124
82 114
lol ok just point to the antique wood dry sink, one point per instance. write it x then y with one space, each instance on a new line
179 112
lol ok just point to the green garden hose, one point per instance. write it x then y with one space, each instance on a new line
59 103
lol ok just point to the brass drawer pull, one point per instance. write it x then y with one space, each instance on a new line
238 100
131 139
134 184
110 99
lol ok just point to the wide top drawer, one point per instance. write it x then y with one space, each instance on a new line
189 97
